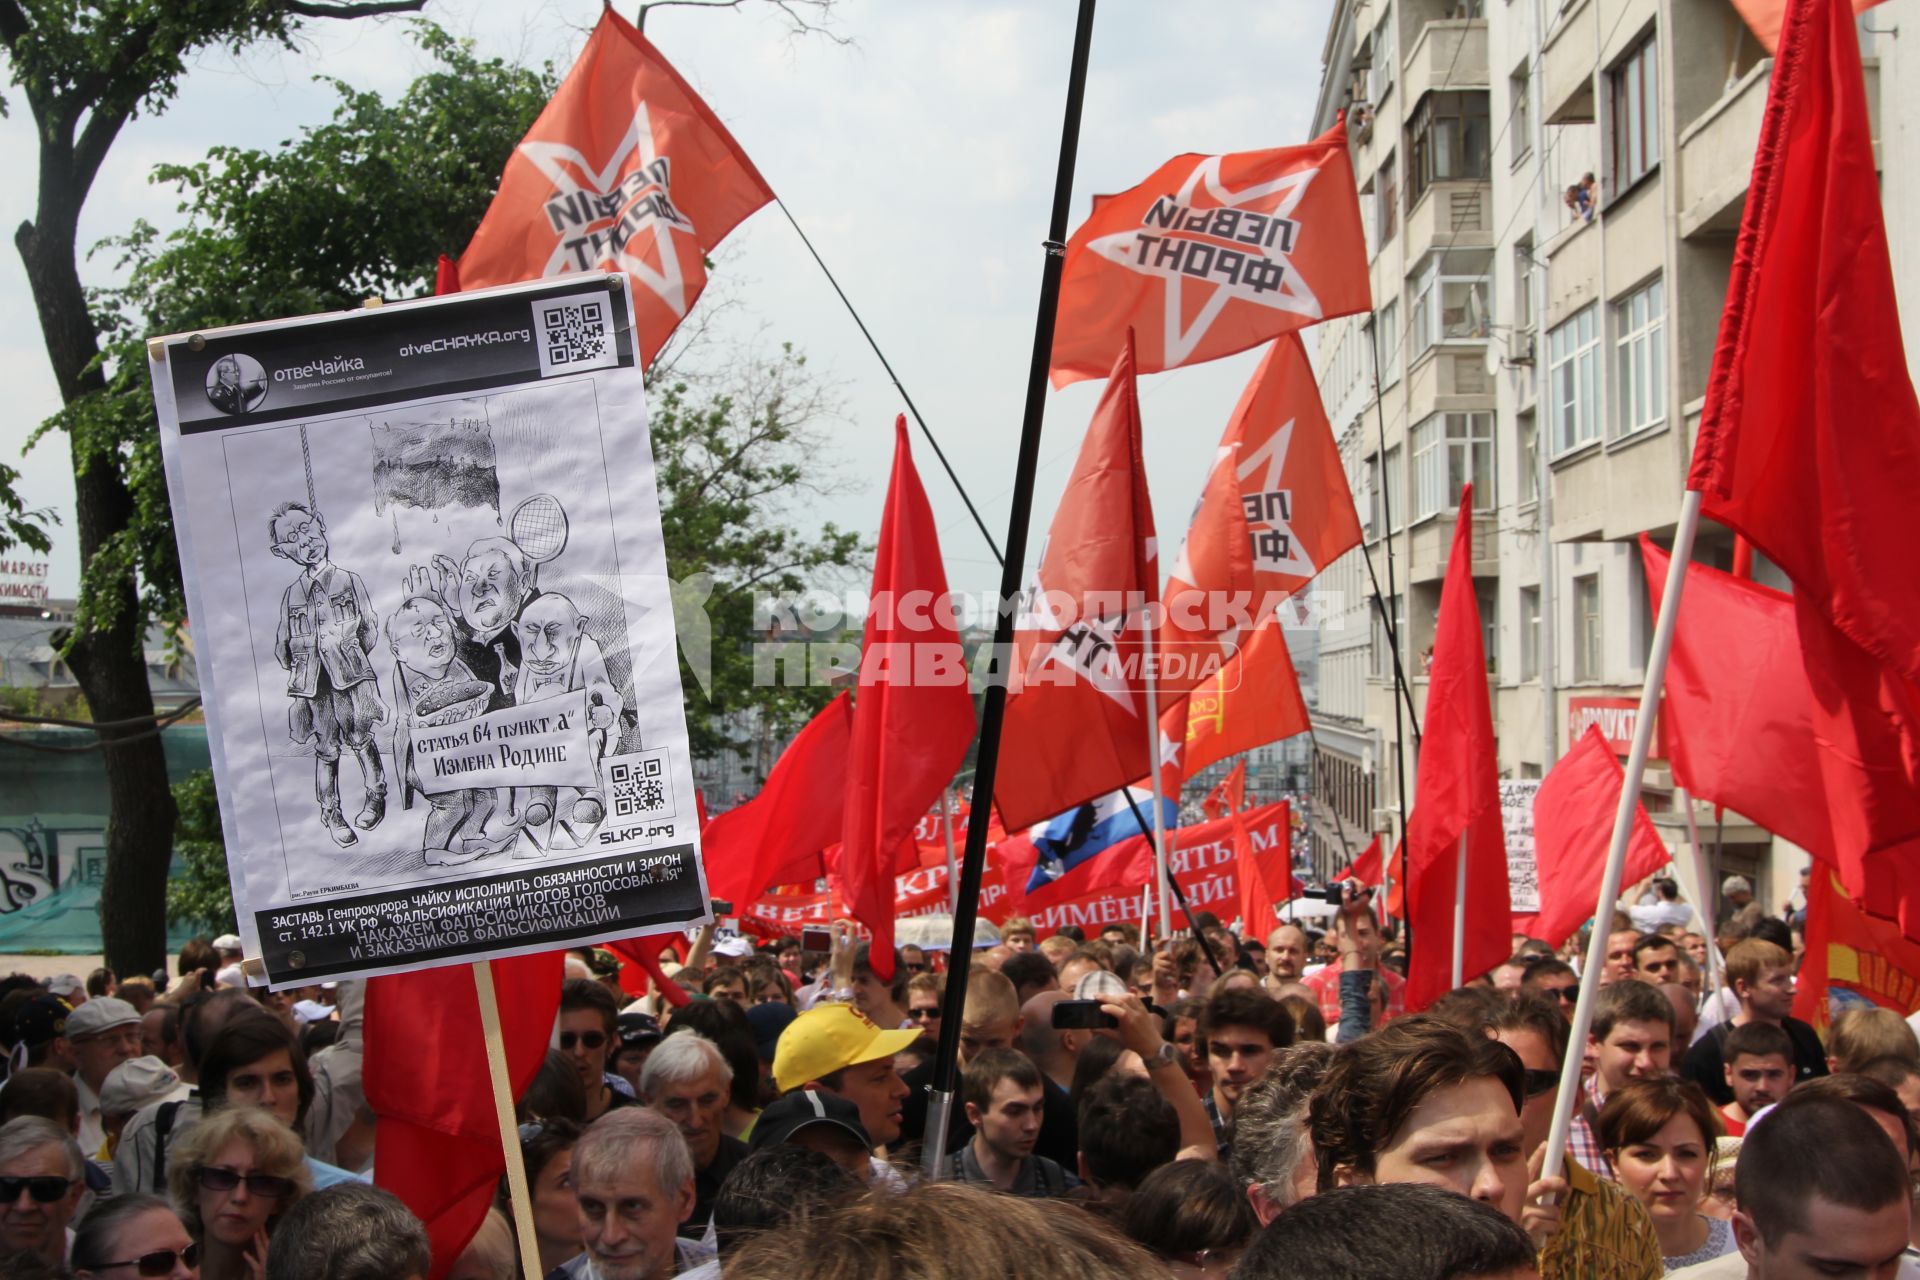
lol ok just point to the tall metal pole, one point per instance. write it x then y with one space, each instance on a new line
1460 911
994 713
1159 833
1393 639
1543 430
1623 813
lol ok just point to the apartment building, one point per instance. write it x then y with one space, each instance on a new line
1552 190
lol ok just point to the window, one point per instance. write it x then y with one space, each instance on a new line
1529 633
1450 299
1386 61
1573 352
1449 450
1382 646
1635 84
1386 194
1370 509
1388 331
1527 431
1487 597
1519 120
1397 487
1523 269
1447 141
1640 360
1586 628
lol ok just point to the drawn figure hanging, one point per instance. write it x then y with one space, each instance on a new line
326 627
558 656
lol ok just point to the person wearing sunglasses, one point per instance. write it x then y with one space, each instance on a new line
588 1023
232 1177
1602 1231
41 1177
134 1235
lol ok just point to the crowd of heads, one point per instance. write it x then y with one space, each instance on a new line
1204 1105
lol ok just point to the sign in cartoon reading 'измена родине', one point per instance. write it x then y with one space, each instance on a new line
430 604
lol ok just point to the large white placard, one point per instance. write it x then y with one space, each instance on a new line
1516 815
430 605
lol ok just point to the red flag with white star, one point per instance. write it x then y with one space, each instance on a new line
1253 700
1276 511
1213 255
626 170
1077 712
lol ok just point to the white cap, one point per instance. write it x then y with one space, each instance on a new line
231 976
734 948
227 942
66 984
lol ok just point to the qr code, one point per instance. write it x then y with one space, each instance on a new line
574 335
639 787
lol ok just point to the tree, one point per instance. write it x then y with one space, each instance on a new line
85 70
203 896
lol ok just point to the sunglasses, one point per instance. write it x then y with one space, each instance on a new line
923 1015
588 1040
915 968
267 1186
1539 1082
158 1263
44 1189
1565 995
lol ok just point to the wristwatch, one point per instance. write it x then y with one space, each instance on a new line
1165 1056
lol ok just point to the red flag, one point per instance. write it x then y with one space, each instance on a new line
1457 792
1572 825
1852 951
1810 440
1257 875
778 836
1213 255
1253 700
1763 17
1365 868
1276 510
438 1146
625 170
913 713
1229 796
1076 704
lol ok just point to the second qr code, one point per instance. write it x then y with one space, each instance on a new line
574 335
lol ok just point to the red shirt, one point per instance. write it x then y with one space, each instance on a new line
1326 986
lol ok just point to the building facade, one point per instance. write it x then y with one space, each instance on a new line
1552 190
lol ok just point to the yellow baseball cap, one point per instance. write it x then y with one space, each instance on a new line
828 1038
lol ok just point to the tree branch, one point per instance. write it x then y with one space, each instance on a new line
13 22
373 8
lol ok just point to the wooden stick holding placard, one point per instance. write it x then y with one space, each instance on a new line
503 1111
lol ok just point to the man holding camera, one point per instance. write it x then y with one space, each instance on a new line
1357 935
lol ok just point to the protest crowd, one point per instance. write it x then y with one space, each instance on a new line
1207 1104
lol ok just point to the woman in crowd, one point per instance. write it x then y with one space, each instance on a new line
1194 1215
255 1061
233 1176
134 1235
1659 1135
547 1149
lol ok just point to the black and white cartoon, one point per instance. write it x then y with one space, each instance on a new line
558 656
236 384
434 688
326 630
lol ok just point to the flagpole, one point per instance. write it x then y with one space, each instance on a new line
946 825
1623 816
1702 903
1152 719
1460 912
518 1194
993 713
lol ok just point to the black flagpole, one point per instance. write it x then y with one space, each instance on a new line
993 714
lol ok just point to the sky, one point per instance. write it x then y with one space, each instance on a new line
920 160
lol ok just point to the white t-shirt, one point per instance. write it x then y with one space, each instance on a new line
1648 919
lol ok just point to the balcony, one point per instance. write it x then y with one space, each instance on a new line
1451 215
1432 538
1716 157
1566 63
1447 54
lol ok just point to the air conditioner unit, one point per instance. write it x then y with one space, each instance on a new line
1521 351
1383 819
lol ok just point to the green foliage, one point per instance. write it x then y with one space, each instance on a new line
202 897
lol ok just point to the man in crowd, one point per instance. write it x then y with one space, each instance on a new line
350 1232
879 1000
1666 907
1760 975
160 1034
1361 933
1286 955
102 1033
1822 1191
1902 1075
1759 1071
837 1049
1738 907
1240 1029
1004 1098
1656 960
687 1081
1272 1155
1619 964
589 1022
1421 1101
821 1122
923 1003
1127 1130
1053 1049
1603 1234
633 1177
1030 973
1554 979
41 1166
1631 1039
1398 1232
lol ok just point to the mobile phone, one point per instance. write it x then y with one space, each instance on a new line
816 939
1081 1015
721 907
1361 892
